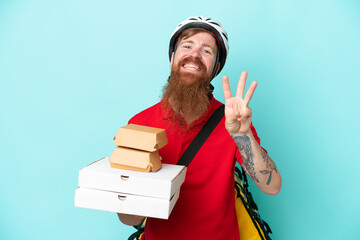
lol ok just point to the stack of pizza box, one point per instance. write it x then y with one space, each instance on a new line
132 180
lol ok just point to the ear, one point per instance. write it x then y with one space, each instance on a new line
172 59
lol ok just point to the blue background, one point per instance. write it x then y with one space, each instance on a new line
73 72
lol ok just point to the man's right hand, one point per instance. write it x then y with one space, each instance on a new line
131 220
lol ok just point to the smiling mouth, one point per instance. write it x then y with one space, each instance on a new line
191 67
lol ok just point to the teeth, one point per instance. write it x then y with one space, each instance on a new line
190 66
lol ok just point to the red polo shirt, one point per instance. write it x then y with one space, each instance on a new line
205 208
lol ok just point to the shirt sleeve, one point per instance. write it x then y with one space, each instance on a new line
238 155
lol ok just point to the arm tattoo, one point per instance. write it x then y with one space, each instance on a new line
244 145
270 165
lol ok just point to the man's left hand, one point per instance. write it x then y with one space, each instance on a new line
238 115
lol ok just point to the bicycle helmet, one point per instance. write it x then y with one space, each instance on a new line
210 25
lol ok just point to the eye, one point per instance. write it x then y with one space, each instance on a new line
186 46
207 51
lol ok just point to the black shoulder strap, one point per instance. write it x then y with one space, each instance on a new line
201 137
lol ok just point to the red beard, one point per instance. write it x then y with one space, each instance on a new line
187 93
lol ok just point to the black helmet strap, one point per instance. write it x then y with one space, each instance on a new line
216 65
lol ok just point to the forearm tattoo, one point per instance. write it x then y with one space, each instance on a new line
270 166
244 145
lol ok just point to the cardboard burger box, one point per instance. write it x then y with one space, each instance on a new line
141 137
136 160
138 148
152 194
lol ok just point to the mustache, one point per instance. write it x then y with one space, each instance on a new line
196 60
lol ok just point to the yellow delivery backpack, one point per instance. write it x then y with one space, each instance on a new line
251 226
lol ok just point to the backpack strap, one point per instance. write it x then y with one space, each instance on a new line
201 137
136 235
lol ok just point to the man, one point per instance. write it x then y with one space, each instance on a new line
205 208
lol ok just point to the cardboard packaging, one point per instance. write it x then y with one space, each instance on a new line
125 203
151 194
141 137
136 160
161 184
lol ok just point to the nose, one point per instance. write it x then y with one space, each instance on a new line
196 52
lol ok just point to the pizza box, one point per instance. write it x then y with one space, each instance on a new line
125 203
161 184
